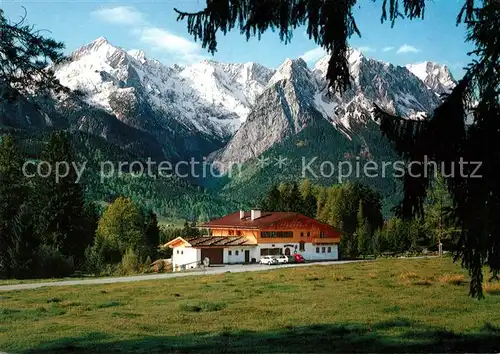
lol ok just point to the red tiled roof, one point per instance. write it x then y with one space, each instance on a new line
267 218
217 241
233 220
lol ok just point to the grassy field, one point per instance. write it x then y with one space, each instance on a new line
404 305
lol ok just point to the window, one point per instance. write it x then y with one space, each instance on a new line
322 249
229 253
238 233
269 251
231 232
329 249
302 246
177 251
276 234
236 253
317 249
301 234
182 252
308 234
322 234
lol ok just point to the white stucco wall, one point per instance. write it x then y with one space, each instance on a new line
240 257
282 246
185 255
310 253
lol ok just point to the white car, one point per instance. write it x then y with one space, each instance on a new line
268 260
282 259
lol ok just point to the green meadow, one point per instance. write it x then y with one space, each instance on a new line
397 305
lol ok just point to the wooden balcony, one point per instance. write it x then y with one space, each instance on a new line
325 240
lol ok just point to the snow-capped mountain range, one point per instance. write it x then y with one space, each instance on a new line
210 97
232 111
296 96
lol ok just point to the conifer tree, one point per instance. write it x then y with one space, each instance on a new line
24 58
321 201
190 229
294 201
272 202
438 207
151 233
64 221
17 239
363 236
309 201
310 205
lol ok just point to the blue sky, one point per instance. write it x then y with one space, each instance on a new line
152 27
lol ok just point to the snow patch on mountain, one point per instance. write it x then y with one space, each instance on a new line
231 86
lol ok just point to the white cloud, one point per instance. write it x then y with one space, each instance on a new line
366 49
161 40
313 55
406 48
387 49
121 15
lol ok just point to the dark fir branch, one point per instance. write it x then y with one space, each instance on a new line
25 54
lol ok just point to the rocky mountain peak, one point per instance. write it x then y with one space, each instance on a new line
100 47
435 76
291 70
99 42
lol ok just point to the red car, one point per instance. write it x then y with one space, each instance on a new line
296 258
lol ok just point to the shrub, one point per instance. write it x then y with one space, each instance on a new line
146 266
130 262
94 261
52 263
111 269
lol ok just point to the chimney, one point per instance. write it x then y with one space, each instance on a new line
255 214
242 214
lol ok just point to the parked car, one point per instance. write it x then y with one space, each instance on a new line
296 258
268 260
281 259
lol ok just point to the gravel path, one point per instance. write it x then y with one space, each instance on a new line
237 268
